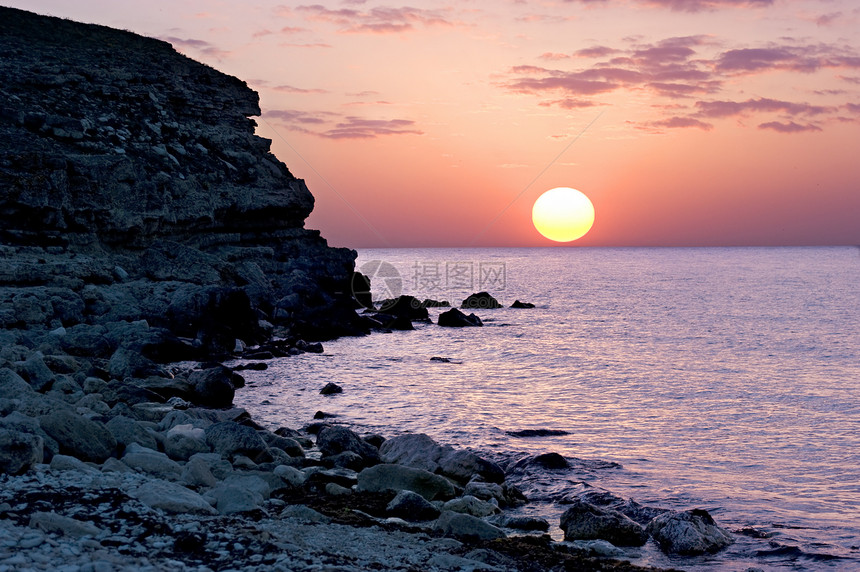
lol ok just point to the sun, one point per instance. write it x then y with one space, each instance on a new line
563 214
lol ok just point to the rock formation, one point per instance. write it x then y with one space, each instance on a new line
133 187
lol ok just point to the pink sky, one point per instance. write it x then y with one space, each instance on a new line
687 122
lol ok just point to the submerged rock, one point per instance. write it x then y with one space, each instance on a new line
522 305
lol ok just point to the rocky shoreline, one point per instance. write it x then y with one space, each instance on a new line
148 236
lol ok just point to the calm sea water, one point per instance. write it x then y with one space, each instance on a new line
724 379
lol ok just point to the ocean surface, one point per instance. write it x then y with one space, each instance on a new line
719 378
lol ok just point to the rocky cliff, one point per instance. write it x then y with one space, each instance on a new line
133 187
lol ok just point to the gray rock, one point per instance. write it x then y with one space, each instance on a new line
331 388
411 506
689 532
219 467
151 462
466 527
387 477
19 451
420 451
113 465
584 521
66 463
230 438
290 475
336 490
470 505
78 436
40 376
17 421
13 386
53 522
127 431
304 514
183 441
232 498
520 522
171 498
290 446
196 473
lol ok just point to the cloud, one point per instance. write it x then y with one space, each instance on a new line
377 20
552 56
682 122
358 128
717 109
200 46
298 90
568 103
691 5
790 127
332 125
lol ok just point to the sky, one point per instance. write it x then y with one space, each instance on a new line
686 122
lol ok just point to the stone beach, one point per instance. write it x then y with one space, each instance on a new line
148 237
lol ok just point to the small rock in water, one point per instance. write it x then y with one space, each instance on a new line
552 461
480 300
537 433
454 318
323 415
522 305
440 359
331 388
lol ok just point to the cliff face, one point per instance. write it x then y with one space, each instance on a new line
132 186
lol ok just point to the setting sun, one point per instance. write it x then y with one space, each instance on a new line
563 214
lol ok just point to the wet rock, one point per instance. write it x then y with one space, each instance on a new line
480 300
689 532
466 527
584 521
78 436
522 305
537 433
551 461
409 505
290 446
454 318
519 522
213 387
405 306
420 451
336 439
387 477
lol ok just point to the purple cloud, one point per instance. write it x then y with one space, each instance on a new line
716 109
358 128
378 20
790 127
682 123
691 5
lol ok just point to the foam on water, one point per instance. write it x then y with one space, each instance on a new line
724 379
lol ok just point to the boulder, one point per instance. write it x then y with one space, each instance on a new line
66 463
290 475
230 438
127 431
468 504
19 451
466 527
151 462
171 498
290 446
13 386
405 306
387 477
420 451
196 473
183 441
213 387
482 301
520 522
584 521
690 532
38 373
409 505
551 461
335 439
78 436
454 318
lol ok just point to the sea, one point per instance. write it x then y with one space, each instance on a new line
726 379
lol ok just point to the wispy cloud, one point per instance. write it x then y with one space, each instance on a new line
690 5
377 20
332 125
715 109
790 127
199 46
297 90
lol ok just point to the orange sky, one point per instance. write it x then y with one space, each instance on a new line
687 122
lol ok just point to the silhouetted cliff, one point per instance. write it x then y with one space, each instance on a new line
132 186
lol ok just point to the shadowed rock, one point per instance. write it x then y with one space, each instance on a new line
689 532
584 521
